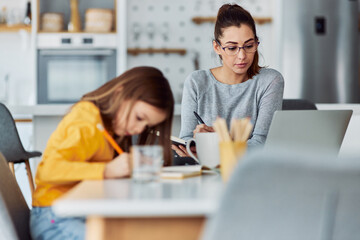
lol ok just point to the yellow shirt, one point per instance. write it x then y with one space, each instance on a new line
76 151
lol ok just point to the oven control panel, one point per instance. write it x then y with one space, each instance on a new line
68 40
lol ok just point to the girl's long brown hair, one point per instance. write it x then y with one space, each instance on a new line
233 15
145 84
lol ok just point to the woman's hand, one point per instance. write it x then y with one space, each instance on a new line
119 167
181 150
203 128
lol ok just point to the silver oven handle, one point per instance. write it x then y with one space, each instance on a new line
77 52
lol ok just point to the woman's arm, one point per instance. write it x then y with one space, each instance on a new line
189 104
270 101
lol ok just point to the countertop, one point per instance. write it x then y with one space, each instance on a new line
61 109
52 109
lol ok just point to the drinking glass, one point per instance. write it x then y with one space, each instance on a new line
147 162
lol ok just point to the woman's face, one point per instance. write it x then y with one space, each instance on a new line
141 115
236 37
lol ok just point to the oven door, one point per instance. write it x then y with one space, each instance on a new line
65 75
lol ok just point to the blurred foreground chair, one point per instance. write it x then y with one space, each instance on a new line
11 146
14 211
282 196
298 104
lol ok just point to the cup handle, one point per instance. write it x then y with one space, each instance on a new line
188 144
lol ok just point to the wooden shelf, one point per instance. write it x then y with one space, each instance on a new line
14 28
137 51
81 32
258 20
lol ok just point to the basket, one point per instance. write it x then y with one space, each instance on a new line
52 22
99 20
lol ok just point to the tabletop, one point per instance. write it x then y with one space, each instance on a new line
195 196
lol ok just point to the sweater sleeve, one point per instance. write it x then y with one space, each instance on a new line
270 101
76 151
189 104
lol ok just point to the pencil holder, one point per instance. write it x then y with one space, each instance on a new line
230 153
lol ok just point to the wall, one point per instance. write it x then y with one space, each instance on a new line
173 28
17 59
173 19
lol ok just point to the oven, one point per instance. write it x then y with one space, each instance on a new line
70 66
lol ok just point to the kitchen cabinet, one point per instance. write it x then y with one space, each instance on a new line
64 8
79 52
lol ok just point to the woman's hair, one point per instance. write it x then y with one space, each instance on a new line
145 84
233 15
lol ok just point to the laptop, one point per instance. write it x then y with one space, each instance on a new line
319 130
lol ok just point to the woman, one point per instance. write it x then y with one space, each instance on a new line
139 102
239 88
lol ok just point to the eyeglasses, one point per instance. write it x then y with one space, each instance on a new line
233 50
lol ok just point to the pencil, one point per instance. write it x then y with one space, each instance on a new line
109 138
199 118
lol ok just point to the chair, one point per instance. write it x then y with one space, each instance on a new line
286 195
298 104
11 146
14 211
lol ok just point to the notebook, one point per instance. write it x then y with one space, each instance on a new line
321 130
180 172
177 141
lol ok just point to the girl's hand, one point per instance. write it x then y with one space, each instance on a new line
203 128
181 150
119 167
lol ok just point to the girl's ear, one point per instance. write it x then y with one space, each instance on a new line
216 48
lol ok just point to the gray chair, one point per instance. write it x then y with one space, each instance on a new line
286 195
11 146
298 104
14 211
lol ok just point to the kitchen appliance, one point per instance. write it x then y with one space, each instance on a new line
319 50
70 65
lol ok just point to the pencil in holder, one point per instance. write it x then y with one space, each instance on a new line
230 153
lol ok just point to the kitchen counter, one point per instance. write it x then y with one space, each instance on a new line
53 109
40 109
46 117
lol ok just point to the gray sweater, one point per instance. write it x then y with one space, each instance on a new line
257 98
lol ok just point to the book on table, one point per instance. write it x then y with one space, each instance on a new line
180 172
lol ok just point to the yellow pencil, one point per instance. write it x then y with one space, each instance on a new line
109 138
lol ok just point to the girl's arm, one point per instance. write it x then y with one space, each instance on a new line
74 154
77 150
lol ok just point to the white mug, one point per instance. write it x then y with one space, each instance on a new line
207 148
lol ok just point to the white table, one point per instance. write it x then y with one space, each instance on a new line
122 209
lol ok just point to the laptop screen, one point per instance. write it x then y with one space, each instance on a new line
320 130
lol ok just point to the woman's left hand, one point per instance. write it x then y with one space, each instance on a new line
181 150
203 128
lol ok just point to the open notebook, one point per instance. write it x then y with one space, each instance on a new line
320 130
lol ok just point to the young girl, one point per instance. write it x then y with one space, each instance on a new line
237 89
139 102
